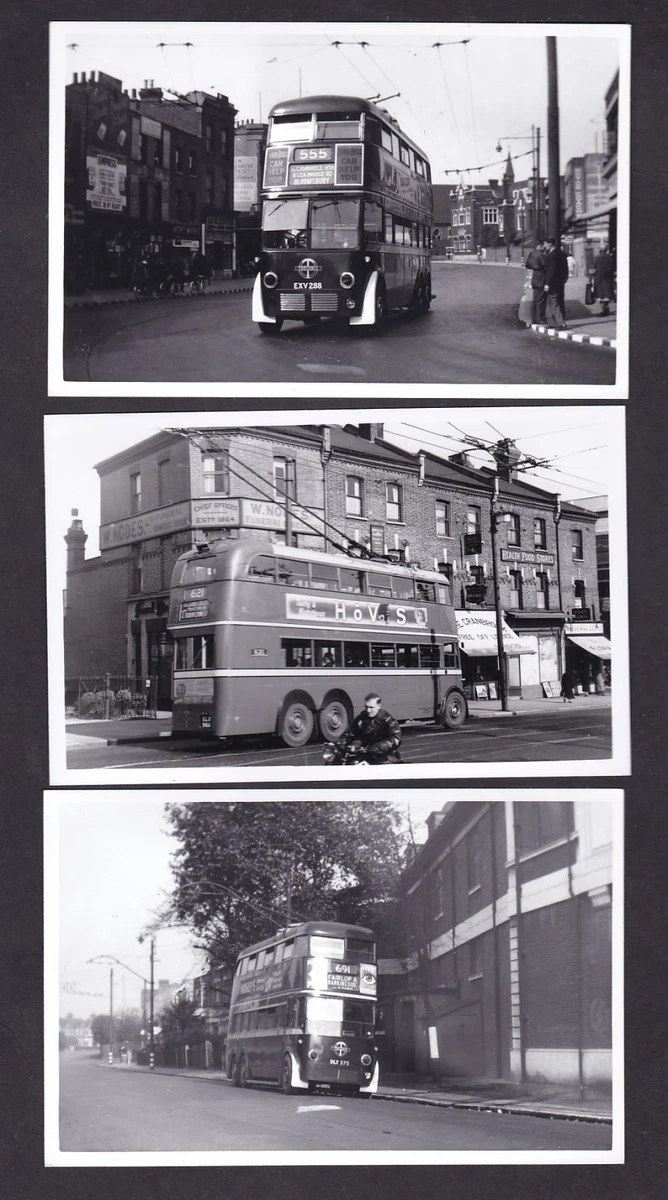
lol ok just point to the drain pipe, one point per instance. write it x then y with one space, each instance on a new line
520 946
578 955
495 935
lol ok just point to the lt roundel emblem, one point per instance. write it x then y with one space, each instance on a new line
308 268
340 1049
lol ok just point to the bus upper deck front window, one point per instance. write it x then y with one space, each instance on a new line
198 570
338 127
298 128
284 224
335 224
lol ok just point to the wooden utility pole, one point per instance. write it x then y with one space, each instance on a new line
553 183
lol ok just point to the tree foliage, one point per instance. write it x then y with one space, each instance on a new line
178 1023
242 869
127 1025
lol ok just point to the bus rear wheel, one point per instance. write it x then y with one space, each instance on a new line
243 1072
271 327
453 713
297 724
286 1076
233 1072
380 308
334 720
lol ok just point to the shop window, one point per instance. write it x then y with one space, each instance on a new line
580 593
513 529
577 543
542 591
215 474
135 493
539 533
354 496
515 600
442 519
394 502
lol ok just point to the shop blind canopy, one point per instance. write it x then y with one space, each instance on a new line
477 635
594 644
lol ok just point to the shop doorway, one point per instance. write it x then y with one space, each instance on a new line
161 663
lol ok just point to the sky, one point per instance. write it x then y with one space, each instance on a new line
463 89
114 874
575 439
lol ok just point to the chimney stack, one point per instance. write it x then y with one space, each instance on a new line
75 540
372 433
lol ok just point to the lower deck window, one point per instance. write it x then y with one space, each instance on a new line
194 653
296 653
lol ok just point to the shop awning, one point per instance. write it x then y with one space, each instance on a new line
594 644
593 213
477 635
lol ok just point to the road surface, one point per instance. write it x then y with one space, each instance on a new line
105 1108
540 737
472 335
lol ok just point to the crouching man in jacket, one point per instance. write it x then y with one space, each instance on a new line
377 730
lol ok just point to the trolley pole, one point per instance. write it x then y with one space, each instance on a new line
503 678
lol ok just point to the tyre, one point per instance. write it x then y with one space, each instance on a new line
233 1072
269 328
380 308
453 713
286 1076
334 721
297 724
243 1072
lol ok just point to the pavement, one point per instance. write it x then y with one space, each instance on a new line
482 1095
119 730
123 295
584 322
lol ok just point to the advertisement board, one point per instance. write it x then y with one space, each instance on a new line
106 187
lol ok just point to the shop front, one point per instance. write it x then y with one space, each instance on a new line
538 674
479 653
588 655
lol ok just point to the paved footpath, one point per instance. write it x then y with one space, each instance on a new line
584 322
502 1096
108 296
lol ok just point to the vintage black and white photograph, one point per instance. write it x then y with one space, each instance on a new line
433 977
211 234
439 595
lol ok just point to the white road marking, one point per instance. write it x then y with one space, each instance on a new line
330 369
316 1107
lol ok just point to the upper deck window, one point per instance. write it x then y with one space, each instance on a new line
297 128
386 139
198 570
338 127
328 947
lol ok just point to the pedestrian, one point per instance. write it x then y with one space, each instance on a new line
377 730
536 264
179 272
604 279
572 265
556 274
567 689
600 682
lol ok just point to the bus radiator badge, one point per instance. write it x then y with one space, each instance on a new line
308 268
340 1049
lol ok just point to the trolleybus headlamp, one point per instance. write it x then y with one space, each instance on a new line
313 1055
366 1060
347 279
367 258
350 303
270 279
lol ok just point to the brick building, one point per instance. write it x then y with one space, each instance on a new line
508 972
144 174
344 485
250 143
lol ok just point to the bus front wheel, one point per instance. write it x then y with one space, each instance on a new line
297 724
271 327
453 713
233 1072
286 1076
243 1072
334 720
380 308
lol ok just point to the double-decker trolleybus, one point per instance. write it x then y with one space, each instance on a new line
283 640
302 1012
346 216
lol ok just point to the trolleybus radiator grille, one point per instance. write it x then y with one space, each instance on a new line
324 302
293 302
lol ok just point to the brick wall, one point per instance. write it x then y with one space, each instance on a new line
95 618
